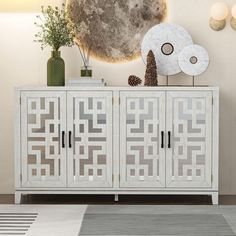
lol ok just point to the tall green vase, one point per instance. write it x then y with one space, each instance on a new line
56 70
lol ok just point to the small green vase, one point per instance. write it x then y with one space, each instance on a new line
86 71
56 70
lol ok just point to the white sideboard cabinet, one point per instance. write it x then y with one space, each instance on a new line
117 140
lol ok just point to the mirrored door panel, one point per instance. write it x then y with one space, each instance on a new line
142 144
189 127
43 124
90 139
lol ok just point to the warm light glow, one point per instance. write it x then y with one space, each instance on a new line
233 11
26 5
219 11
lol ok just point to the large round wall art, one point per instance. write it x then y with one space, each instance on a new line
193 60
113 29
166 41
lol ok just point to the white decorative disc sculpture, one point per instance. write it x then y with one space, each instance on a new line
166 41
193 60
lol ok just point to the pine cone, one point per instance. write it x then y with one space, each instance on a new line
134 80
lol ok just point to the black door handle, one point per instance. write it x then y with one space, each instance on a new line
63 139
162 139
70 143
169 139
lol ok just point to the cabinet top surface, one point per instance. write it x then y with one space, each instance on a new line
112 88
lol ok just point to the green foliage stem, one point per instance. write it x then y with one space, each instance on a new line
55 29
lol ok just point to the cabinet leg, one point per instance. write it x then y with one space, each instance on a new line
215 198
17 198
116 197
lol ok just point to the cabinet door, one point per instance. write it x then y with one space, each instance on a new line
142 126
90 152
43 118
189 123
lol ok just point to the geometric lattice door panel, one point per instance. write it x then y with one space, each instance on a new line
189 127
43 125
89 123
142 144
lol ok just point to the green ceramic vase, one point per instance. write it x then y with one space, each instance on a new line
56 70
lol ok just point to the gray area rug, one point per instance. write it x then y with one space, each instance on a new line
116 220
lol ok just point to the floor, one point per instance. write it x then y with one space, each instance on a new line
66 220
159 220
52 220
126 200
62 215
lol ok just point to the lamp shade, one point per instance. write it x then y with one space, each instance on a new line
26 5
219 11
233 11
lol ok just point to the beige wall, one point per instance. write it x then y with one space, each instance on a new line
24 5
23 63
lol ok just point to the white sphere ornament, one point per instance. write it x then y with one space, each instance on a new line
233 19
166 41
193 60
233 11
219 11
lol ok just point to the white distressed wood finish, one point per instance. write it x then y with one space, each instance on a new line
43 118
215 140
17 146
189 121
142 159
89 119
42 187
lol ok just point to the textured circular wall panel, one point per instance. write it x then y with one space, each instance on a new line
193 60
166 41
114 29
